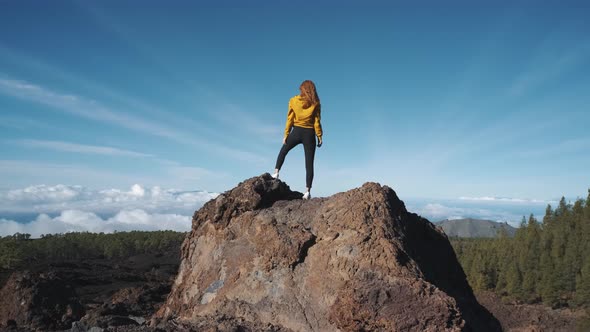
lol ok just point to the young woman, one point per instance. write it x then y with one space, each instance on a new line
304 118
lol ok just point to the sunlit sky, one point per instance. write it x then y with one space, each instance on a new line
435 99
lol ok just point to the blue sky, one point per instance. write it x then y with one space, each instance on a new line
438 101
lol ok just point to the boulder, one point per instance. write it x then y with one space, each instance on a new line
260 258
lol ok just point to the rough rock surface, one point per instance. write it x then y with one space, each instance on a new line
39 301
113 293
260 258
516 317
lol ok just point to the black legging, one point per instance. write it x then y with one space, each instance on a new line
307 137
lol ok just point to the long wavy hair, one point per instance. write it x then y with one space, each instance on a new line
309 94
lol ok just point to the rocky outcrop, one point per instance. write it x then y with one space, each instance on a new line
260 258
90 294
38 301
128 306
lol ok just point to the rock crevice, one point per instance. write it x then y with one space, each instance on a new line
305 246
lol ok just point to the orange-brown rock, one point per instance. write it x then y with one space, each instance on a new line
260 256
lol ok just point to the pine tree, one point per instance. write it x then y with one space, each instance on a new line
548 261
529 260
573 258
514 280
582 297
546 287
504 256
560 281
585 241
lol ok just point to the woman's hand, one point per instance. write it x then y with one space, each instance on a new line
319 142
285 140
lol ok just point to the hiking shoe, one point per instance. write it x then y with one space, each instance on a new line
307 195
275 175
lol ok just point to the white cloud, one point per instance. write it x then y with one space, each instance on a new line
79 148
439 211
93 110
500 211
171 169
54 199
455 217
25 172
549 65
82 221
42 193
62 208
506 200
80 106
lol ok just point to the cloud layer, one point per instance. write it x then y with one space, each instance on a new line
83 221
510 210
507 200
52 199
46 209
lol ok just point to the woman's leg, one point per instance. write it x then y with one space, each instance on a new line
309 148
293 139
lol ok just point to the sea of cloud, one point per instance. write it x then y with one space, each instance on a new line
43 209
500 209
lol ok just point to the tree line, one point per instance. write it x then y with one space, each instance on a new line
18 250
547 261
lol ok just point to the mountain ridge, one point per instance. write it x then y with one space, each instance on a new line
472 227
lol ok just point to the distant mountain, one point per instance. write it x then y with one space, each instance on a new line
474 227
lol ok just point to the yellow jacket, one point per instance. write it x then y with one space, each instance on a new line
303 117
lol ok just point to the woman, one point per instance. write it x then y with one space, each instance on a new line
304 118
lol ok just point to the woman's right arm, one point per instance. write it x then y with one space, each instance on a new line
290 121
289 124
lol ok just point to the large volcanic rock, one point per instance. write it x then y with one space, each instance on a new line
260 258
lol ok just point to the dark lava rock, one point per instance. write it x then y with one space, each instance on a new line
126 290
38 301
